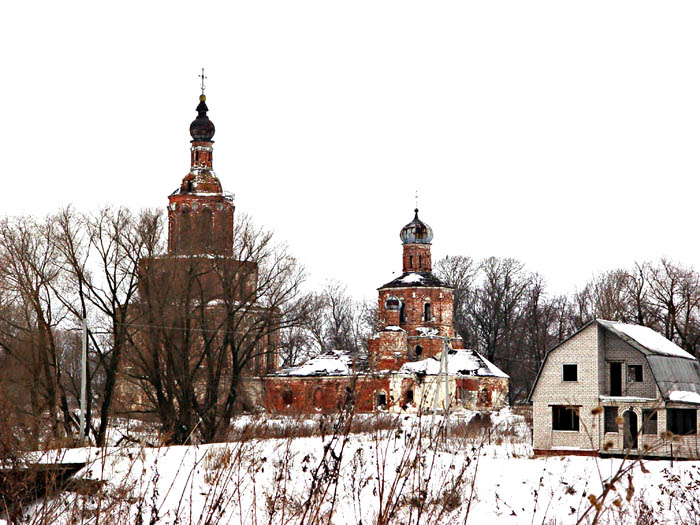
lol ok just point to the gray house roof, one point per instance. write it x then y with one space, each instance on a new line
676 372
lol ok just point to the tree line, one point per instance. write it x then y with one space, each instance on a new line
505 312
183 340
173 336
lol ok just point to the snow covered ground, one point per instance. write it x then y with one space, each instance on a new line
399 475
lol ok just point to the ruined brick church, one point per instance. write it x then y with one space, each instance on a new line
414 361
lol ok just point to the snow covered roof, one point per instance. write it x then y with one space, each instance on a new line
413 279
648 339
427 331
684 397
459 362
332 363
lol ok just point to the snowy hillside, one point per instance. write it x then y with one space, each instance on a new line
481 473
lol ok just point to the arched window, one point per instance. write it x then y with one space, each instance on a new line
409 396
287 397
206 229
419 350
427 312
318 399
410 261
420 261
402 313
185 227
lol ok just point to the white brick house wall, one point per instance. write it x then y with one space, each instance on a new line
582 350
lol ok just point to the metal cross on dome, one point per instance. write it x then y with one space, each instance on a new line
203 79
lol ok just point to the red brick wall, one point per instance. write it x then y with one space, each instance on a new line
441 301
416 258
309 395
199 224
487 390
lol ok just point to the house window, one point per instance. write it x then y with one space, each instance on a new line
565 418
569 373
635 374
381 400
427 313
682 421
610 417
650 423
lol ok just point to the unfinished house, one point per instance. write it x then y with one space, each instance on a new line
614 388
403 371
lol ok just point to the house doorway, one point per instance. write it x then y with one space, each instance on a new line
615 379
630 429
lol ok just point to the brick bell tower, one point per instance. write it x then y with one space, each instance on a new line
200 264
200 214
415 313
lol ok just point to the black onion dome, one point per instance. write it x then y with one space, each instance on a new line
202 129
416 232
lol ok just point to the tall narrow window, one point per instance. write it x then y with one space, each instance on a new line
615 379
381 400
410 261
427 314
650 421
402 313
287 397
610 416
420 261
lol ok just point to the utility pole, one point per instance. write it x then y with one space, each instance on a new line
83 383
446 379
442 377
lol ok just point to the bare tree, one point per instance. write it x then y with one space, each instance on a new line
29 320
207 323
99 257
460 273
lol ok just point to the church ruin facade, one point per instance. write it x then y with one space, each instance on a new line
415 362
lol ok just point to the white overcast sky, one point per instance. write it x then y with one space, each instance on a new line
565 134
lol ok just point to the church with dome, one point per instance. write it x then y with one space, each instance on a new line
415 362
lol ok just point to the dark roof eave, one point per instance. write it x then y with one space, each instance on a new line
429 281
